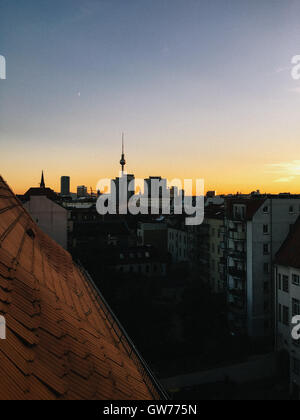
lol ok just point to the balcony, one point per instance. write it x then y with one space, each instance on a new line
237 308
235 272
240 293
222 230
237 255
237 236
221 268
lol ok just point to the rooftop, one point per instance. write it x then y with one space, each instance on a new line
63 341
289 253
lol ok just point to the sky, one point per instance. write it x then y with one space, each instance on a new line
201 89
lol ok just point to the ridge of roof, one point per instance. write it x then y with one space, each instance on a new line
63 341
289 252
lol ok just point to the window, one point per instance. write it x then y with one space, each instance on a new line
266 268
285 315
291 209
266 229
266 209
295 307
266 249
266 287
296 366
280 313
279 281
285 284
296 279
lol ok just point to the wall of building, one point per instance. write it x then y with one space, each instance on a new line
284 338
50 217
216 237
261 248
279 218
178 245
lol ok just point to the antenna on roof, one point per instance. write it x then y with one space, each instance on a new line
123 161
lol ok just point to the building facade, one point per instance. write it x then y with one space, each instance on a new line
50 216
65 186
287 297
255 228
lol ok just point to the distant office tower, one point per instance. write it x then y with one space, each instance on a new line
125 189
160 186
65 185
82 191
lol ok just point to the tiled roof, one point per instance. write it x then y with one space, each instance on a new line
289 253
63 341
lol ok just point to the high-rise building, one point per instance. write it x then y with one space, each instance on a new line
65 186
125 189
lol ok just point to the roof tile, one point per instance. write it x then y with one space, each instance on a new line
60 343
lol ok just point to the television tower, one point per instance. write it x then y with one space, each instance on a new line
123 161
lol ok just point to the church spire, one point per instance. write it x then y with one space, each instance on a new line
42 184
123 161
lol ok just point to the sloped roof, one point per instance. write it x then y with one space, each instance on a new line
63 341
47 192
289 253
252 204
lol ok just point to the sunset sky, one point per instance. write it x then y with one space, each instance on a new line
201 88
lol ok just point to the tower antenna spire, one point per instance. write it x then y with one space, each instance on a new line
123 161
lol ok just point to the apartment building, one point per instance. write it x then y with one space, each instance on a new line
215 220
287 293
207 248
255 228
166 238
